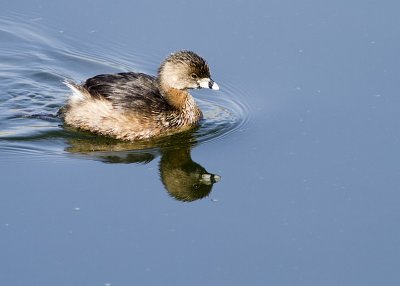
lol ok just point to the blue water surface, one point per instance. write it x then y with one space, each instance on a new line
302 140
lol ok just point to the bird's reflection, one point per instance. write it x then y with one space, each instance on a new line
184 179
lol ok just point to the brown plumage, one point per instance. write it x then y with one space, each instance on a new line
135 106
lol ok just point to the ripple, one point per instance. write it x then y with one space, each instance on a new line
31 93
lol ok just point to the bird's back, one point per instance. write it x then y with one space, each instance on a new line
128 91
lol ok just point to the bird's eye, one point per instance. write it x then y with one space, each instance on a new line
194 76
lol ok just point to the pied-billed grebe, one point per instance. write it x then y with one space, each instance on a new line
135 106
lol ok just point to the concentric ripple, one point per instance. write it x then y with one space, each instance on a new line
32 67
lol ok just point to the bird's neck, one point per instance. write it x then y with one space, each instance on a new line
184 103
175 97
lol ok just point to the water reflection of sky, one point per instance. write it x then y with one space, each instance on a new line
308 190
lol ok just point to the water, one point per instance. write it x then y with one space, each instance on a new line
291 179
